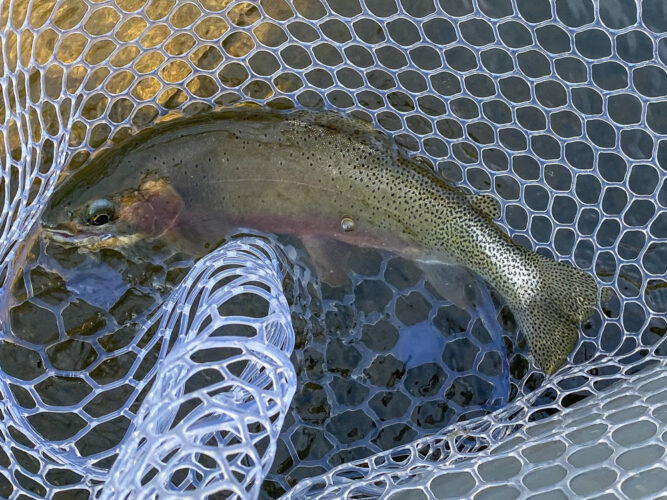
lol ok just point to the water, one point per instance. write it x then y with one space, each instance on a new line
420 344
381 359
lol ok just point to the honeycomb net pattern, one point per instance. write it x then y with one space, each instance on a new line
387 361
611 446
555 108
219 438
213 399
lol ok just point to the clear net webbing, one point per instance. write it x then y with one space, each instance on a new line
556 108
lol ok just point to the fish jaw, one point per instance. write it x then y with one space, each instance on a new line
88 241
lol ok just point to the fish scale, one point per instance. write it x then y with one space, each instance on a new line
303 174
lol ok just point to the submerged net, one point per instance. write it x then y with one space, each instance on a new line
556 108
219 437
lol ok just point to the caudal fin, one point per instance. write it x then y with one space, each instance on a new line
564 297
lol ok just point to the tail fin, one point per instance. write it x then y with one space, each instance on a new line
565 296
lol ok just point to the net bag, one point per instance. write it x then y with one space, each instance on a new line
557 109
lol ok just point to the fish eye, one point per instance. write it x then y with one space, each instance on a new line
100 212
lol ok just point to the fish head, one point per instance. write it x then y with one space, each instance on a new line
113 220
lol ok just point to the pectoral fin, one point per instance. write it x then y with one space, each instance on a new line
197 234
486 204
329 258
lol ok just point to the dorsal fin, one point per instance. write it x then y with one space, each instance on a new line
486 204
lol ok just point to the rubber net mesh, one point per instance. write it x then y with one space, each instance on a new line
556 108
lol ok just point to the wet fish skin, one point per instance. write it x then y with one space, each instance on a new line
310 175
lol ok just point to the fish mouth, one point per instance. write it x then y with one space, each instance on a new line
87 241
79 240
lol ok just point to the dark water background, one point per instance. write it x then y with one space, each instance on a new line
381 359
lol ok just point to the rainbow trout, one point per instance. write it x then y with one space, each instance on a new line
312 175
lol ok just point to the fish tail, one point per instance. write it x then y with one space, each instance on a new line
563 297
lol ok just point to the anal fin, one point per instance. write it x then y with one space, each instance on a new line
454 283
